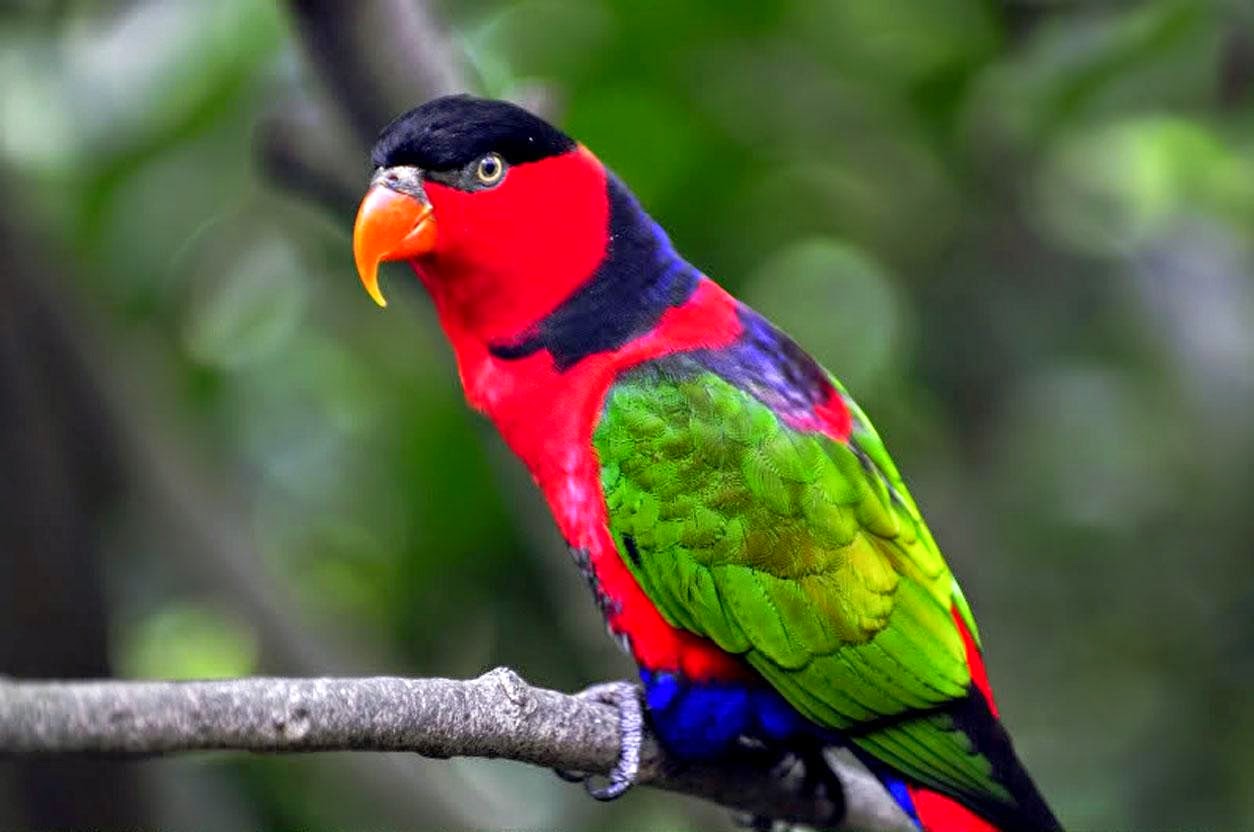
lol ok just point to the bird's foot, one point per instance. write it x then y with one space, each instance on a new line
754 823
820 777
820 780
802 769
785 766
625 697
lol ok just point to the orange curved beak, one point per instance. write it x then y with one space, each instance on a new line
390 226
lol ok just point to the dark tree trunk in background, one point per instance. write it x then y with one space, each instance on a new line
58 478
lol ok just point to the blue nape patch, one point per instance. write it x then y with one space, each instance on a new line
704 719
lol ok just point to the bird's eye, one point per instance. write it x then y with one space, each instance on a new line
490 169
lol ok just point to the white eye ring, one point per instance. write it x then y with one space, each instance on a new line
490 169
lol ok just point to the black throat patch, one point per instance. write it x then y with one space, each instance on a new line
640 278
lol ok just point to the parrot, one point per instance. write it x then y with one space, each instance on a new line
743 528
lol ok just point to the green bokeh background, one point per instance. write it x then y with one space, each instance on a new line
1023 235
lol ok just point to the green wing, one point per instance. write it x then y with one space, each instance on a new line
806 555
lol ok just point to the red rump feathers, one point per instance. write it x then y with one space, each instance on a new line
975 661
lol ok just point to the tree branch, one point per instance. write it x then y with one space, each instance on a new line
300 150
496 715
377 57
374 59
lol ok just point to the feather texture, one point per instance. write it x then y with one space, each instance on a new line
802 553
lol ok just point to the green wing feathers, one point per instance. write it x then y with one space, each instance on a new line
806 555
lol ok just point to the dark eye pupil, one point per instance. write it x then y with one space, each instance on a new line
488 167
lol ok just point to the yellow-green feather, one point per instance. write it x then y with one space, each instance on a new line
806 555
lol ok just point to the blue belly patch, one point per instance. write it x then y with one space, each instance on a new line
701 720
704 719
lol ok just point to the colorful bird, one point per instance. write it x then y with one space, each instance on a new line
745 532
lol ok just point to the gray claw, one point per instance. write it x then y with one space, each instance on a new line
626 698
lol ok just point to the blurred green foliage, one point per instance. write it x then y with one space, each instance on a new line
1023 235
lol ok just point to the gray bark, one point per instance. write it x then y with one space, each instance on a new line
496 715
376 58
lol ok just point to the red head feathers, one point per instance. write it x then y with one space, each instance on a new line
502 215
